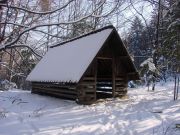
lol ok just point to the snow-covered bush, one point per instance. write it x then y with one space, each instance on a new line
6 85
149 72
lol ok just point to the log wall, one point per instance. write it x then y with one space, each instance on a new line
120 86
67 91
87 90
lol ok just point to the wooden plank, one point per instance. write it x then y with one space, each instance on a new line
87 83
89 90
95 81
54 85
120 83
82 87
104 58
120 88
104 79
119 91
57 93
89 93
89 96
119 79
89 78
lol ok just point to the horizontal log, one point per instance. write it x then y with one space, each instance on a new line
89 90
56 94
89 78
121 90
57 90
82 87
89 98
104 79
87 83
54 85
104 82
120 83
117 78
90 93
104 58
120 87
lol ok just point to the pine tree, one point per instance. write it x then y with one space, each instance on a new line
138 42
171 35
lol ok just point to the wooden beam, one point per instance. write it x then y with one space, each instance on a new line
104 58
88 78
95 75
123 57
113 77
55 90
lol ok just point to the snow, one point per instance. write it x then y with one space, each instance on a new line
150 64
141 113
68 62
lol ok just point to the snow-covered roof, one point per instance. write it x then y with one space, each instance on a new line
68 62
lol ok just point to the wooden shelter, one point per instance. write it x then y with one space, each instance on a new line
92 66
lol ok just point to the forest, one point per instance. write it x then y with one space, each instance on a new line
150 37
150 29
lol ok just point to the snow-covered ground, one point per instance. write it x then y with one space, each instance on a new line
141 113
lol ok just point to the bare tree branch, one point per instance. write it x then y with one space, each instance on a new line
20 46
34 12
51 24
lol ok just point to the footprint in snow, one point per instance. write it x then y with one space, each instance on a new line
20 119
33 127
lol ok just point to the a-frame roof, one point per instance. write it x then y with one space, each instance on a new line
67 61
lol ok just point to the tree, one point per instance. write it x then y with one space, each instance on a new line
138 40
36 25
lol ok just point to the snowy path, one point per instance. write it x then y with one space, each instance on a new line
23 113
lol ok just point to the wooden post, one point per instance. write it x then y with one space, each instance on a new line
177 91
175 88
113 77
95 88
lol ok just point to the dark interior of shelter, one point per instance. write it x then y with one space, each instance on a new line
104 78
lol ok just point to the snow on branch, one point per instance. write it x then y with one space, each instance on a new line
150 64
12 71
22 45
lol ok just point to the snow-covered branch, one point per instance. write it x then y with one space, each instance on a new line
21 46
50 24
36 12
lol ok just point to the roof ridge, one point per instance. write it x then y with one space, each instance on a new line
84 35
